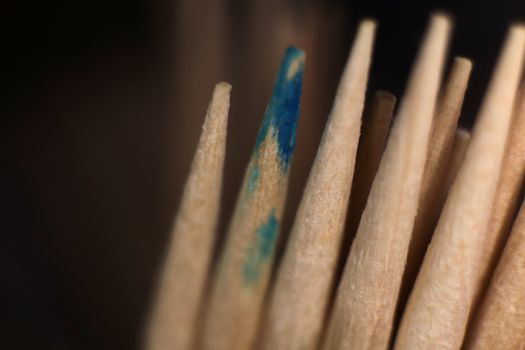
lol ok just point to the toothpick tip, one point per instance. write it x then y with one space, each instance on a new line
463 61
462 133
441 16
223 86
385 95
368 23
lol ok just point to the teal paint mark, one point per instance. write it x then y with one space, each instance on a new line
261 252
282 112
253 178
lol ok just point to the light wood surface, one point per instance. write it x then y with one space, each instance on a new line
301 293
244 267
363 313
432 195
374 133
174 315
457 155
439 306
508 192
500 321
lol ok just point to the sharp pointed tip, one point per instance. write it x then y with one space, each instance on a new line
442 16
223 86
283 110
368 22
293 62
294 52
464 61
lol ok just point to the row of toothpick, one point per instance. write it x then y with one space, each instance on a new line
436 254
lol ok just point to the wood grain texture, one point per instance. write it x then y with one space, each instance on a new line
457 155
432 195
500 321
244 267
508 192
174 315
301 293
439 306
374 133
363 313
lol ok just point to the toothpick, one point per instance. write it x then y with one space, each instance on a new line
363 312
243 271
305 278
374 132
500 321
174 315
457 155
509 187
440 303
432 195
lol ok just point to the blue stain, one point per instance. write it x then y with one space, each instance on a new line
253 178
262 250
282 112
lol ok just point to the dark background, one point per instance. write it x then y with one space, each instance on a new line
102 111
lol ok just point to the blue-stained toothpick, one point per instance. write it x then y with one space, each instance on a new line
302 288
243 271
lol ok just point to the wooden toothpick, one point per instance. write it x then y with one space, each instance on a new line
363 312
500 321
174 315
508 191
457 154
449 279
301 293
432 195
374 132
242 274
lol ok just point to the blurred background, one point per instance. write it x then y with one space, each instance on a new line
104 103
